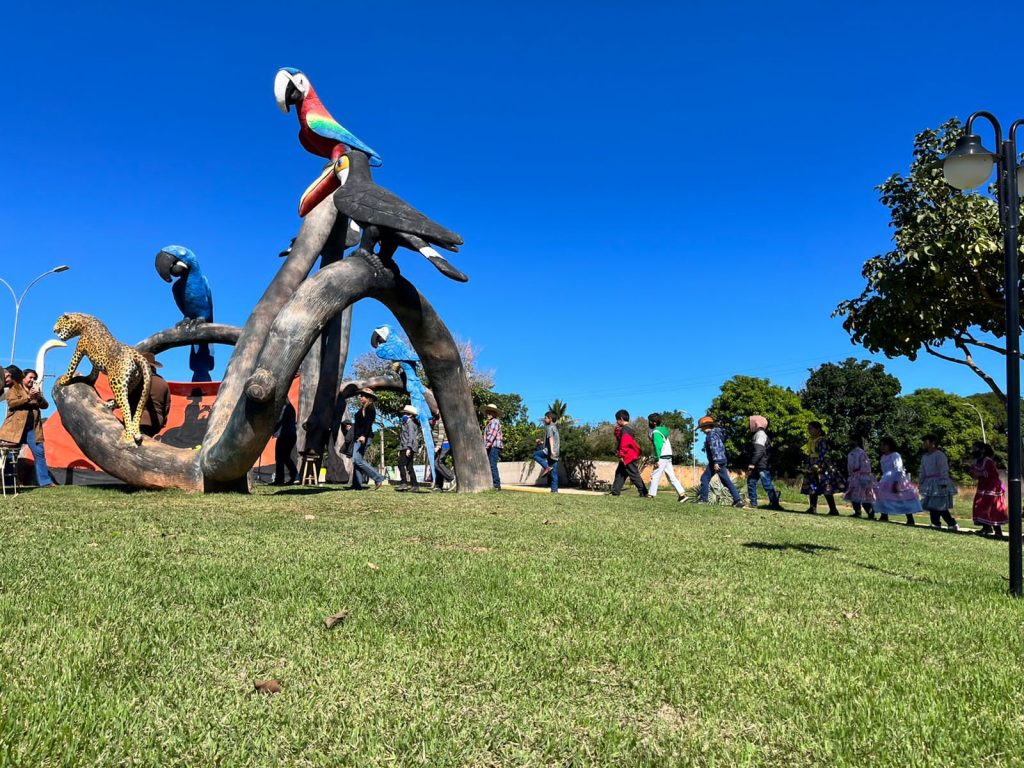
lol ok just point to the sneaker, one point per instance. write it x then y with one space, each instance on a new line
683 498
377 485
738 504
546 472
936 526
954 528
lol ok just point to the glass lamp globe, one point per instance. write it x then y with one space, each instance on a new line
969 165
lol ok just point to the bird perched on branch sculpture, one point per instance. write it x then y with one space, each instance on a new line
390 346
192 294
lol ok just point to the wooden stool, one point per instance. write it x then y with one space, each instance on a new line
9 463
309 474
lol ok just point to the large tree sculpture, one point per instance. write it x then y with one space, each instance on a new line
293 314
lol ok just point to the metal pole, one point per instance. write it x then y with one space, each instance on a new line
984 438
17 302
1010 214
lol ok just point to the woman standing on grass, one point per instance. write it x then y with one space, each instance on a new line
990 498
861 487
937 487
896 494
820 477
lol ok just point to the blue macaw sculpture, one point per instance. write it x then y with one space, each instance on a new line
194 298
390 346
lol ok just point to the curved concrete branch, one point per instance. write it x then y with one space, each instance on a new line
205 333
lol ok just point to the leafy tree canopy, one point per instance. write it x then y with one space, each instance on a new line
745 396
941 286
859 398
933 411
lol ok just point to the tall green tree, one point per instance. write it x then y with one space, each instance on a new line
940 289
744 396
857 396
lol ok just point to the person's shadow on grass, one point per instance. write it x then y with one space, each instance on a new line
807 549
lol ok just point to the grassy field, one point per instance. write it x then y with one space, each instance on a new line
503 629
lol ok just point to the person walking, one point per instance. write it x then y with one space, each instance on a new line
287 436
628 451
820 477
760 467
717 461
493 441
25 403
896 494
547 451
662 458
936 484
861 486
362 435
408 447
442 449
990 510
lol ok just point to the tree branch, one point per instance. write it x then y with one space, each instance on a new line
969 362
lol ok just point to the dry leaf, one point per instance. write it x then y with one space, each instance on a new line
373 566
309 517
550 522
268 686
850 615
337 618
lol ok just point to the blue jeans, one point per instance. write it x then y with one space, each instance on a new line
39 455
723 475
360 465
541 457
766 480
493 454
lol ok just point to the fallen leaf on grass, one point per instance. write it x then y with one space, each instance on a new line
850 615
373 566
268 686
550 522
337 618
93 544
309 517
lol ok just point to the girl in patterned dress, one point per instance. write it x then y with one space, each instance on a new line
861 487
896 494
820 477
990 498
937 487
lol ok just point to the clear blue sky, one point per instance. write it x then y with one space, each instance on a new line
654 197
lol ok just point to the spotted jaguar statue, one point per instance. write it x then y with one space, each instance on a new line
125 366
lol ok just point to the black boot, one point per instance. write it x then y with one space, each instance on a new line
832 510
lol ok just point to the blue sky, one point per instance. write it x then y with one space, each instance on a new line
654 197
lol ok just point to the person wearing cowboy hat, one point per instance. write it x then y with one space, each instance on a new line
408 447
362 430
493 441
158 405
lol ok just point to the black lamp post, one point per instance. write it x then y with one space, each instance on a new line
969 165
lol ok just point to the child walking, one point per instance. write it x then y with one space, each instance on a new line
718 461
990 499
408 447
937 487
758 469
629 454
820 477
663 457
547 451
861 487
896 494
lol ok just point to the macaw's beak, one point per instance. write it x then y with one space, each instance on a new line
332 177
168 266
286 92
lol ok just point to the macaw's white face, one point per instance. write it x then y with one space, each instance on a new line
290 87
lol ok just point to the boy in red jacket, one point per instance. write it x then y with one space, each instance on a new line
629 453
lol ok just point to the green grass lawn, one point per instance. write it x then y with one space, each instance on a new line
502 629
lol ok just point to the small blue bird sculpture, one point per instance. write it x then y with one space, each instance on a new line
391 346
192 294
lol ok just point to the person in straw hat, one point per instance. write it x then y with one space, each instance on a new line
362 429
158 405
493 441
408 447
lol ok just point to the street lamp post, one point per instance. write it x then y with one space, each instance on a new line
969 165
981 418
17 301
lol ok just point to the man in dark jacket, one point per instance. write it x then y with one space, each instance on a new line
718 461
628 452
408 447
362 434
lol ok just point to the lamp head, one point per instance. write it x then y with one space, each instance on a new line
969 165
61 268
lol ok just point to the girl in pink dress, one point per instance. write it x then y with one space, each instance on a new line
861 487
990 498
896 494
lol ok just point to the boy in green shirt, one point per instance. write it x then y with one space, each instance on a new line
663 455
